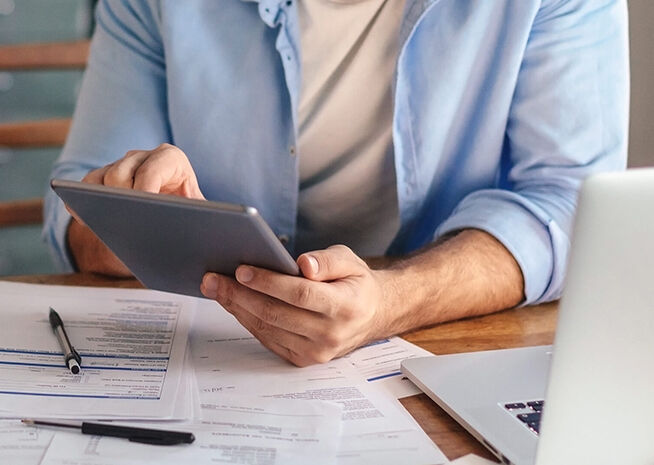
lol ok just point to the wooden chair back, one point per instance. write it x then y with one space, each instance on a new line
36 134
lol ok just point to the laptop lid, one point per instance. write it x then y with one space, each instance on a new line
600 398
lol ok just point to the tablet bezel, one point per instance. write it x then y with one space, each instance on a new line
261 237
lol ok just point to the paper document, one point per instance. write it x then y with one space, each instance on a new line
472 459
376 428
132 344
379 363
21 445
243 403
235 430
187 405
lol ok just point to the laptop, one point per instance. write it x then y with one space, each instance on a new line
589 398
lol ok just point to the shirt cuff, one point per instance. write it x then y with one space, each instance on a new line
55 224
54 234
535 240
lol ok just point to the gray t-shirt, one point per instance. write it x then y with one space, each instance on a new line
348 190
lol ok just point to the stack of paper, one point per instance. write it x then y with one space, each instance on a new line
22 445
232 430
243 403
132 343
375 426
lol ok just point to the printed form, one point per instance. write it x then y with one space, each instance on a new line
379 363
375 426
248 405
233 430
132 343
21 445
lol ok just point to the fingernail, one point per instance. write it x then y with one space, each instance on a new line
244 274
210 284
313 263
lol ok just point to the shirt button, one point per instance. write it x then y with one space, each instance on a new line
283 238
291 150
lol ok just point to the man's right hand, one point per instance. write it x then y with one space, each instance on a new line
165 169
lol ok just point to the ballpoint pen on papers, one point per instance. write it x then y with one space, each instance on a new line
156 437
71 357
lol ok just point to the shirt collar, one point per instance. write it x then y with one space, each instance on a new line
270 10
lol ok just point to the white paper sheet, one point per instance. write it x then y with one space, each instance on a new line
132 344
375 426
235 430
379 363
472 459
187 405
22 445
370 427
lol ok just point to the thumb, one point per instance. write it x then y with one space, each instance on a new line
335 262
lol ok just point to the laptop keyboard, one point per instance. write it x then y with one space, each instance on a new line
528 413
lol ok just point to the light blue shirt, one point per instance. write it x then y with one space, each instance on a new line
502 107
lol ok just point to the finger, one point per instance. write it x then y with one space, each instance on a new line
264 307
150 178
299 359
160 171
310 355
121 172
335 262
294 290
285 353
269 334
288 354
96 176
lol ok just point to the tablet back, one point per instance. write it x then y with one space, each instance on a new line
169 242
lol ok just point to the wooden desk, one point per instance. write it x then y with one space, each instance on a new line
512 328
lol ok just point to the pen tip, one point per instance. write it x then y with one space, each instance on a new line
28 422
74 369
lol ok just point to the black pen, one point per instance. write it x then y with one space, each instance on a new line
71 357
156 437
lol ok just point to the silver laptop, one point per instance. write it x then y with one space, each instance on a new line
595 387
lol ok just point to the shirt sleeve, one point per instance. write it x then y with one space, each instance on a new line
122 104
568 119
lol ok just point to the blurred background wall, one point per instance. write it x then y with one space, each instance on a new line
32 95
641 135
28 95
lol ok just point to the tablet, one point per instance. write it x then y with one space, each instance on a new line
170 242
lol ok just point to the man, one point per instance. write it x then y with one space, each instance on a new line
442 141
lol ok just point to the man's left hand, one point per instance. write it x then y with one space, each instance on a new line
338 304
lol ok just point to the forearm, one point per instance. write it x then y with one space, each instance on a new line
466 275
90 254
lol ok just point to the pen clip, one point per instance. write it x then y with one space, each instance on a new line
76 356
